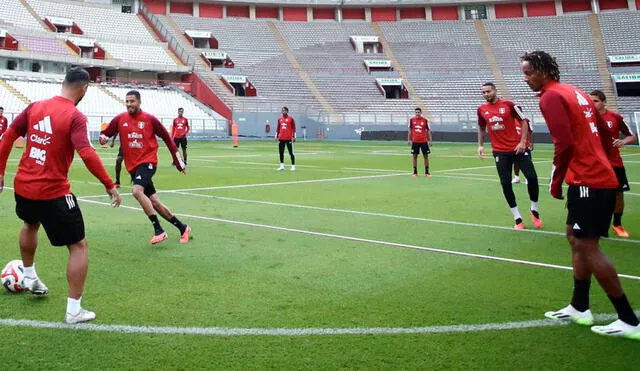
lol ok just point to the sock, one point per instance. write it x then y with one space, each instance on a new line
535 213
580 299
178 224
625 313
534 205
117 180
516 213
415 170
426 170
73 305
617 219
282 164
518 220
156 224
30 271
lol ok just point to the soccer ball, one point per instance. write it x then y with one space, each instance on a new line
12 276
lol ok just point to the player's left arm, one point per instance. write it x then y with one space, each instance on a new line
629 137
429 134
162 132
186 123
293 129
518 115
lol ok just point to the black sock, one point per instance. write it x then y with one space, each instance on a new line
535 213
156 224
415 170
519 220
117 180
580 299
181 226
426 170
617 219
625 313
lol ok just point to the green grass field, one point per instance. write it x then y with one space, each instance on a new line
346 263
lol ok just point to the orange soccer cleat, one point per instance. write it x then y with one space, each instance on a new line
620 231
159 238
186 236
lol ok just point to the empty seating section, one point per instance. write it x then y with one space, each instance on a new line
95 20
14 13
161 102
303 34
620 32
41 44
152 54
10 102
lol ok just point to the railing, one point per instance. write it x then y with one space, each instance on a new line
165 32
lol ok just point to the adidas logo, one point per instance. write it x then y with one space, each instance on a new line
139 177
576 227
125 124
44 125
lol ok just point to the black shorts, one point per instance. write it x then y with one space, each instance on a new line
120 151
142 176
60 217
621 174
417 147
590 210
180 142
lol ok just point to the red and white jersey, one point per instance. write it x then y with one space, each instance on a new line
580 137
53 129
501 120
3 124
180 127
138 139
616 125
529 133
419 126
286 129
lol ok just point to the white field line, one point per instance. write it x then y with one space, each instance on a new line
274 164
302 331
364 240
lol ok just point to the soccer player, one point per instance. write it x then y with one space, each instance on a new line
285 136
501 118
179 131
3 122
419 138
54 128
616 126
138 130
581 142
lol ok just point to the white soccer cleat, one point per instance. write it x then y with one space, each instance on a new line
280 168
293 167
619 328
516 179
34 286
82 316
569 313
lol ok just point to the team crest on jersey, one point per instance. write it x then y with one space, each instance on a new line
609 124
502 110
140 124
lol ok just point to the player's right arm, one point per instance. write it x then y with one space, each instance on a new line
409 134
18 128
110 130
277 130
482 130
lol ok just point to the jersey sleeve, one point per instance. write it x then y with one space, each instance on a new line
624 127
482 123
79 131
293 128
112 128
516 111
162 132
558 119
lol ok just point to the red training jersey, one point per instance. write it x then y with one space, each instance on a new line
286 129
53 128
580 138
529 133
180 127
138 139
419 126
3 124
501 120
616 125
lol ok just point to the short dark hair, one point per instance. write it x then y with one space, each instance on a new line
2 108
135 93
76 76
418 109
180 109
599 94
285 108
542 61
489 84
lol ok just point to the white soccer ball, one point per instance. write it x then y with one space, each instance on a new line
12 276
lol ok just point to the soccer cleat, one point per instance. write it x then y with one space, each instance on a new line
82 316
186 236
414 175
280 168
620 231
34 286
293 167
427 175
159 238
516 179
570 313
519 226
536 221
619 328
